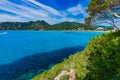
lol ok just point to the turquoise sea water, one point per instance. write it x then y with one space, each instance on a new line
28 51
17 44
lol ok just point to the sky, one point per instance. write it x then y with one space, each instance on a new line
52 11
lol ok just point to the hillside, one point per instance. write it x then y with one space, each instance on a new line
24 25
40 25
99 61
68 26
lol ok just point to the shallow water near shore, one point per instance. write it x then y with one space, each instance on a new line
29 51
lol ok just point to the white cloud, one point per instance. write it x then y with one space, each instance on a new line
32 10
21 10
47 8
77 10
27 12
71 20
24 13
5 18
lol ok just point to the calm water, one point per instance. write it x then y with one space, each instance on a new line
17 44
23 53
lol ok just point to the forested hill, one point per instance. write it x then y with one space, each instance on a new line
68 25
24 25
40 25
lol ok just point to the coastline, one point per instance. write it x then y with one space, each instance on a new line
59 30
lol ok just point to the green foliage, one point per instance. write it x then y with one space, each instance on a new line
88 21
103 11
99 61
68 26
104 57
65 77
41 25
24 25
77 61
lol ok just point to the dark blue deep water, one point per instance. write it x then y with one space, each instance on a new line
23 52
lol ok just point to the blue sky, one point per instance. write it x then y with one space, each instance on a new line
52 11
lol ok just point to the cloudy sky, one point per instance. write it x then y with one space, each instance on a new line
52 11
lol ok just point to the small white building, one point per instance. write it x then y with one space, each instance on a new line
79 29
100 29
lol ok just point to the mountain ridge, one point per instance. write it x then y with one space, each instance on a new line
40 25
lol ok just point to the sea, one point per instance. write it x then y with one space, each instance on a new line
23 52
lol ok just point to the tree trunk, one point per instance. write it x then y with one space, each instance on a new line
115 27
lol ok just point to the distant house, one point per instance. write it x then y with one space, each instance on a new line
100 29
80 29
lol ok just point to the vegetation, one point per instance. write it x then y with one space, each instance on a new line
106 11
99 61
70 26
24 25
41 25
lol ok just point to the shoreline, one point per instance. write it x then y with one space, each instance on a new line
60 30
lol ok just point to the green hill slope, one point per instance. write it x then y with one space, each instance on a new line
40 25
36 25
68 26
99 61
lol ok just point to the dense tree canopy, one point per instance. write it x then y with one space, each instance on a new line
88 21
